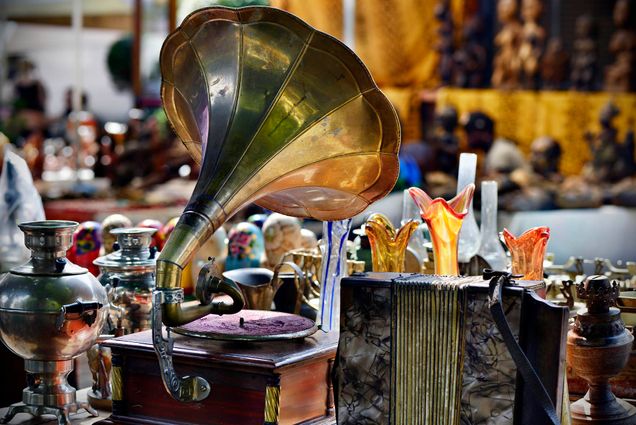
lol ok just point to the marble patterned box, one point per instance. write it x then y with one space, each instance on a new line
420 349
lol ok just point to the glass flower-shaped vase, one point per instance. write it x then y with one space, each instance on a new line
444 220
388 246
527 251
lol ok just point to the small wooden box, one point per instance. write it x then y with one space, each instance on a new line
241 376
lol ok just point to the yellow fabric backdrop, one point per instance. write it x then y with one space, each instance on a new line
396 40
523 116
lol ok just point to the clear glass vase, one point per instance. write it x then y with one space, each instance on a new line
469 235
444 219
527 251
333 268
490 248
388 245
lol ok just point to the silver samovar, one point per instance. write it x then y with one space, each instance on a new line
51 311
128 273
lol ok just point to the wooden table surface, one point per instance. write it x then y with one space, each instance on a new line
80 418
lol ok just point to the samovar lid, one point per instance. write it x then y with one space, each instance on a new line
48 241
134 252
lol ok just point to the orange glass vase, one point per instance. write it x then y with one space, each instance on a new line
444 220
388 246
527 251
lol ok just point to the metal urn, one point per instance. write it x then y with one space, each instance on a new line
51 311
130 273
598 349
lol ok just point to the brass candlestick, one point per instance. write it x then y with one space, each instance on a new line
598 349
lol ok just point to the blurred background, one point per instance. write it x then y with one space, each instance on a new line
541 90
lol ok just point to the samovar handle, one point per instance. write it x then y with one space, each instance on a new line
86 310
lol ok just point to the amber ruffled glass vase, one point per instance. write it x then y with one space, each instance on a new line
444 220
388 245
527 251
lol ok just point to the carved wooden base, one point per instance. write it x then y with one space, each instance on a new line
612 411
277 382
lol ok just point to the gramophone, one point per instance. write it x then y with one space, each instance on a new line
279 114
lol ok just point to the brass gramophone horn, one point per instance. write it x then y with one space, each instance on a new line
276 113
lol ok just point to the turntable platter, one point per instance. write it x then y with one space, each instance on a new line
250 325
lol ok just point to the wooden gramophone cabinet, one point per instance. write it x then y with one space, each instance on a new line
275 382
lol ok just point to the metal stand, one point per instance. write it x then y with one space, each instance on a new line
48 392
61 413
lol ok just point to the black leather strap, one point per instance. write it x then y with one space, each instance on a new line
532 381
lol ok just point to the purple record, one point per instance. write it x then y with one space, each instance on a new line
250 325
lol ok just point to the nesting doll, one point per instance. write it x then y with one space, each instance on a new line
87 242
246 247
113 221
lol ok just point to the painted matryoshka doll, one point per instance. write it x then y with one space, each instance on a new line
282 234
164 233
159 240
258 219
215 247
113 221
87 243
308 239
153 224
246 247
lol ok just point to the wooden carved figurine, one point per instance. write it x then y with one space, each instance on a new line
611 161
584 57
507 64
539 184
446 142
554 65
532 42
445 44
621 75
470 58
545 155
